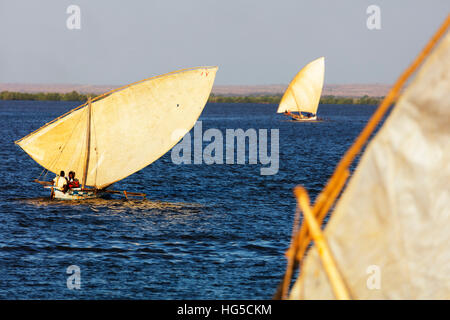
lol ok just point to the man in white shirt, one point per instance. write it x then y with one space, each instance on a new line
60 181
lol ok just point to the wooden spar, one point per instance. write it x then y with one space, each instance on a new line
303 236
296 102
44 183
88 144
126 193
329 264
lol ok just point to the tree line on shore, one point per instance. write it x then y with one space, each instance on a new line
264 99
45 96
275 99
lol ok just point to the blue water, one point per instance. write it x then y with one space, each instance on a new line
204 232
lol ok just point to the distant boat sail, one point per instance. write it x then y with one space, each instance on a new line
123 131
303 93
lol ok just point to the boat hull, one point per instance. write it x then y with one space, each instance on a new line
74 194
297 118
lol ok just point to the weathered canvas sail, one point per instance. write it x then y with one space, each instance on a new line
389 231
303 93
130 128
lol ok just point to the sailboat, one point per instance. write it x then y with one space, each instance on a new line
120 132
387 234
301 99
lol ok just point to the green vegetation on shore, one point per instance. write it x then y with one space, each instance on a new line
44 96
275 99
266 99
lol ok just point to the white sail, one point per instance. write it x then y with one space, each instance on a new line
389 230
303 93
130 128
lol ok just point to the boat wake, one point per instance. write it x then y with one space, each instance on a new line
100 204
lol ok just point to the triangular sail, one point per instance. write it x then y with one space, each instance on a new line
303 93
130 128
389 230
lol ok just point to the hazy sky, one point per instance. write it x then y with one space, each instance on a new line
252 41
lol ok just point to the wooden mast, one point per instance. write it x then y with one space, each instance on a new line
296 102
88 144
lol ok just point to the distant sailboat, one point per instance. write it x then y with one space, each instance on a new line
301 99
387 235
120 132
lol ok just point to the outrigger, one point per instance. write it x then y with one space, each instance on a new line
119 132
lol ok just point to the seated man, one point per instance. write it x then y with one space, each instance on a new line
60 181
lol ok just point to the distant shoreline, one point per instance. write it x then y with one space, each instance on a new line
355 90
275 99
257 99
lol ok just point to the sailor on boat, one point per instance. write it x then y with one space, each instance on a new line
309 115
72 182
306 116
60 181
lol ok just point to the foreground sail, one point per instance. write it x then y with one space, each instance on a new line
389 231
303 93
123 131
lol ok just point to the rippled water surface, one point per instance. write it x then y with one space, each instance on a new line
204 232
